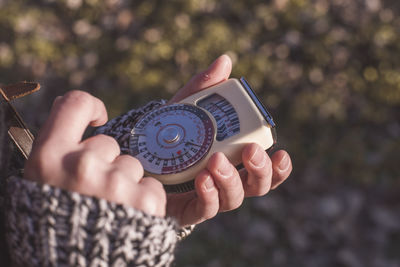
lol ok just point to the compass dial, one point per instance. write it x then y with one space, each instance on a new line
172 138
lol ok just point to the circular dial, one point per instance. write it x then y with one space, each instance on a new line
171 138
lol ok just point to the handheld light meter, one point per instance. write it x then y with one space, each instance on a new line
174 142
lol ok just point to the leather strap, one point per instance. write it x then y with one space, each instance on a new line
17 129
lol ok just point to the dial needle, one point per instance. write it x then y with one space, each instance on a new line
193 144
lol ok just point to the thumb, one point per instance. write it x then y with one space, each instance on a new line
217 72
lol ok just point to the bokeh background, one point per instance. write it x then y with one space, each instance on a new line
329 71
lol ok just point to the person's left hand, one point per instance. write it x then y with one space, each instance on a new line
220 187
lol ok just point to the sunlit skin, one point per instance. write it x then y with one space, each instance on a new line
95 167
221 187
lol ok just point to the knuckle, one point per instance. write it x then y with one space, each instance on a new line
231 204
261 176
83 166
135 164
262 191
209 214
238 203
231 184
116 186
258 188
258 191
149 203
138 166
153 198
73 94
78 98
109 140
156 187
115 175
203 77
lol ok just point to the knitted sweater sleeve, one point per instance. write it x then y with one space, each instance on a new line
48 226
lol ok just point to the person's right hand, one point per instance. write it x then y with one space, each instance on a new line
220 187
94 166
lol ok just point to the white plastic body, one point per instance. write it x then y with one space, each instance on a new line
253 129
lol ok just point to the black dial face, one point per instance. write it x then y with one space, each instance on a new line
172 138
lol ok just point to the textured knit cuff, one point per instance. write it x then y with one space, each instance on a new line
48 226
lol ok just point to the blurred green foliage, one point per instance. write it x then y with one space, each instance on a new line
328 70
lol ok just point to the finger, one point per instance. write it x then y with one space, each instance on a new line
207 202
228 182
56 100
80 168
258 171
104 146
70 116
200 205
178 205
130 166
217 72
282 167
147 196
152 197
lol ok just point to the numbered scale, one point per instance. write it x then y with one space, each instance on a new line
174 142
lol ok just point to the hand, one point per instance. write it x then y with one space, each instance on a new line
94 166
220 187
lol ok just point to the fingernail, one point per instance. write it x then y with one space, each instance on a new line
258 158
209 184
284 164
225 168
